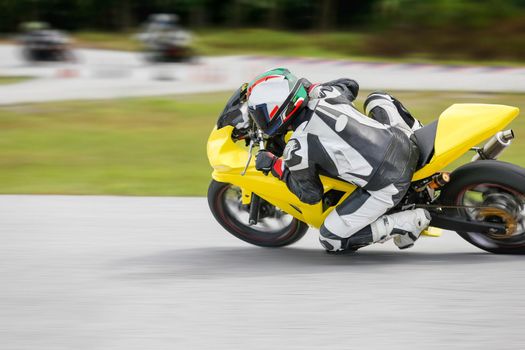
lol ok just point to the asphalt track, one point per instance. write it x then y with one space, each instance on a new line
159 273
99 74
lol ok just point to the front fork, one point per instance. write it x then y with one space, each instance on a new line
250 198
254 209
253 201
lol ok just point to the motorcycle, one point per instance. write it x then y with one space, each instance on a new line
483 200
39 43
173 47
164 40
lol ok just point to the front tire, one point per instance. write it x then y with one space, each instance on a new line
495 184
223 202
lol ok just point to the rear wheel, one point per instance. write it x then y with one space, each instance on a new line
274 229
499 189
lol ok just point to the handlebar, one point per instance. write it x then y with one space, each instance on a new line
258 137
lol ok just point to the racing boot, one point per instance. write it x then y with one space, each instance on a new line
404 227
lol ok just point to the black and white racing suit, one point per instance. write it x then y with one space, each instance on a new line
331 137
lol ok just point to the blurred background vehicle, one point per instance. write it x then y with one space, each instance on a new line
164 40
41 43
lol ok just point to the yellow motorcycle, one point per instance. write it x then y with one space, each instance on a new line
483 201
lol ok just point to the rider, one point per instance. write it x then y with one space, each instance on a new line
331 137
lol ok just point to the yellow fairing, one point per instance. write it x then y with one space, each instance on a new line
461 127
228 160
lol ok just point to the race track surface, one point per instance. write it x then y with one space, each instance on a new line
160 273
101 74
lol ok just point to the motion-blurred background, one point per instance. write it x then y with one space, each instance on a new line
118 96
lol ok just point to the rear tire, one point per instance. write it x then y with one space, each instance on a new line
287 235
487 178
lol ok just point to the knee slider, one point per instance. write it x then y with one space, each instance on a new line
329 240
326 244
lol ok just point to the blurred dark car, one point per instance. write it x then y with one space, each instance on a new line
165 40
41 43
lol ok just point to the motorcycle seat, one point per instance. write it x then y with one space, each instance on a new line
425 138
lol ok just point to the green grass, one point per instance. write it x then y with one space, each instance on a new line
281 43
12 80
241 41
109 41
150 146
147 146
335 45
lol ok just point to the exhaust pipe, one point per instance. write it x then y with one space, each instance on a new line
495 146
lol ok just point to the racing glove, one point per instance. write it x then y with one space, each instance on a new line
267 162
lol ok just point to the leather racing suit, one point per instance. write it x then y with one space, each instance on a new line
331 137
375 152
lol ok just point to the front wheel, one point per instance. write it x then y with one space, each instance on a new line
275 228
497 189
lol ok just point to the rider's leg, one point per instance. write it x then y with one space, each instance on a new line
338 232
359 221
349 223
389 110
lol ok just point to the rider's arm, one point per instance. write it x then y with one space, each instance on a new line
300 175
305 184
342 89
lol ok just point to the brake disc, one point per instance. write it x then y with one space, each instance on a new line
510 221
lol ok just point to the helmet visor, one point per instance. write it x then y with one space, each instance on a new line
262 119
